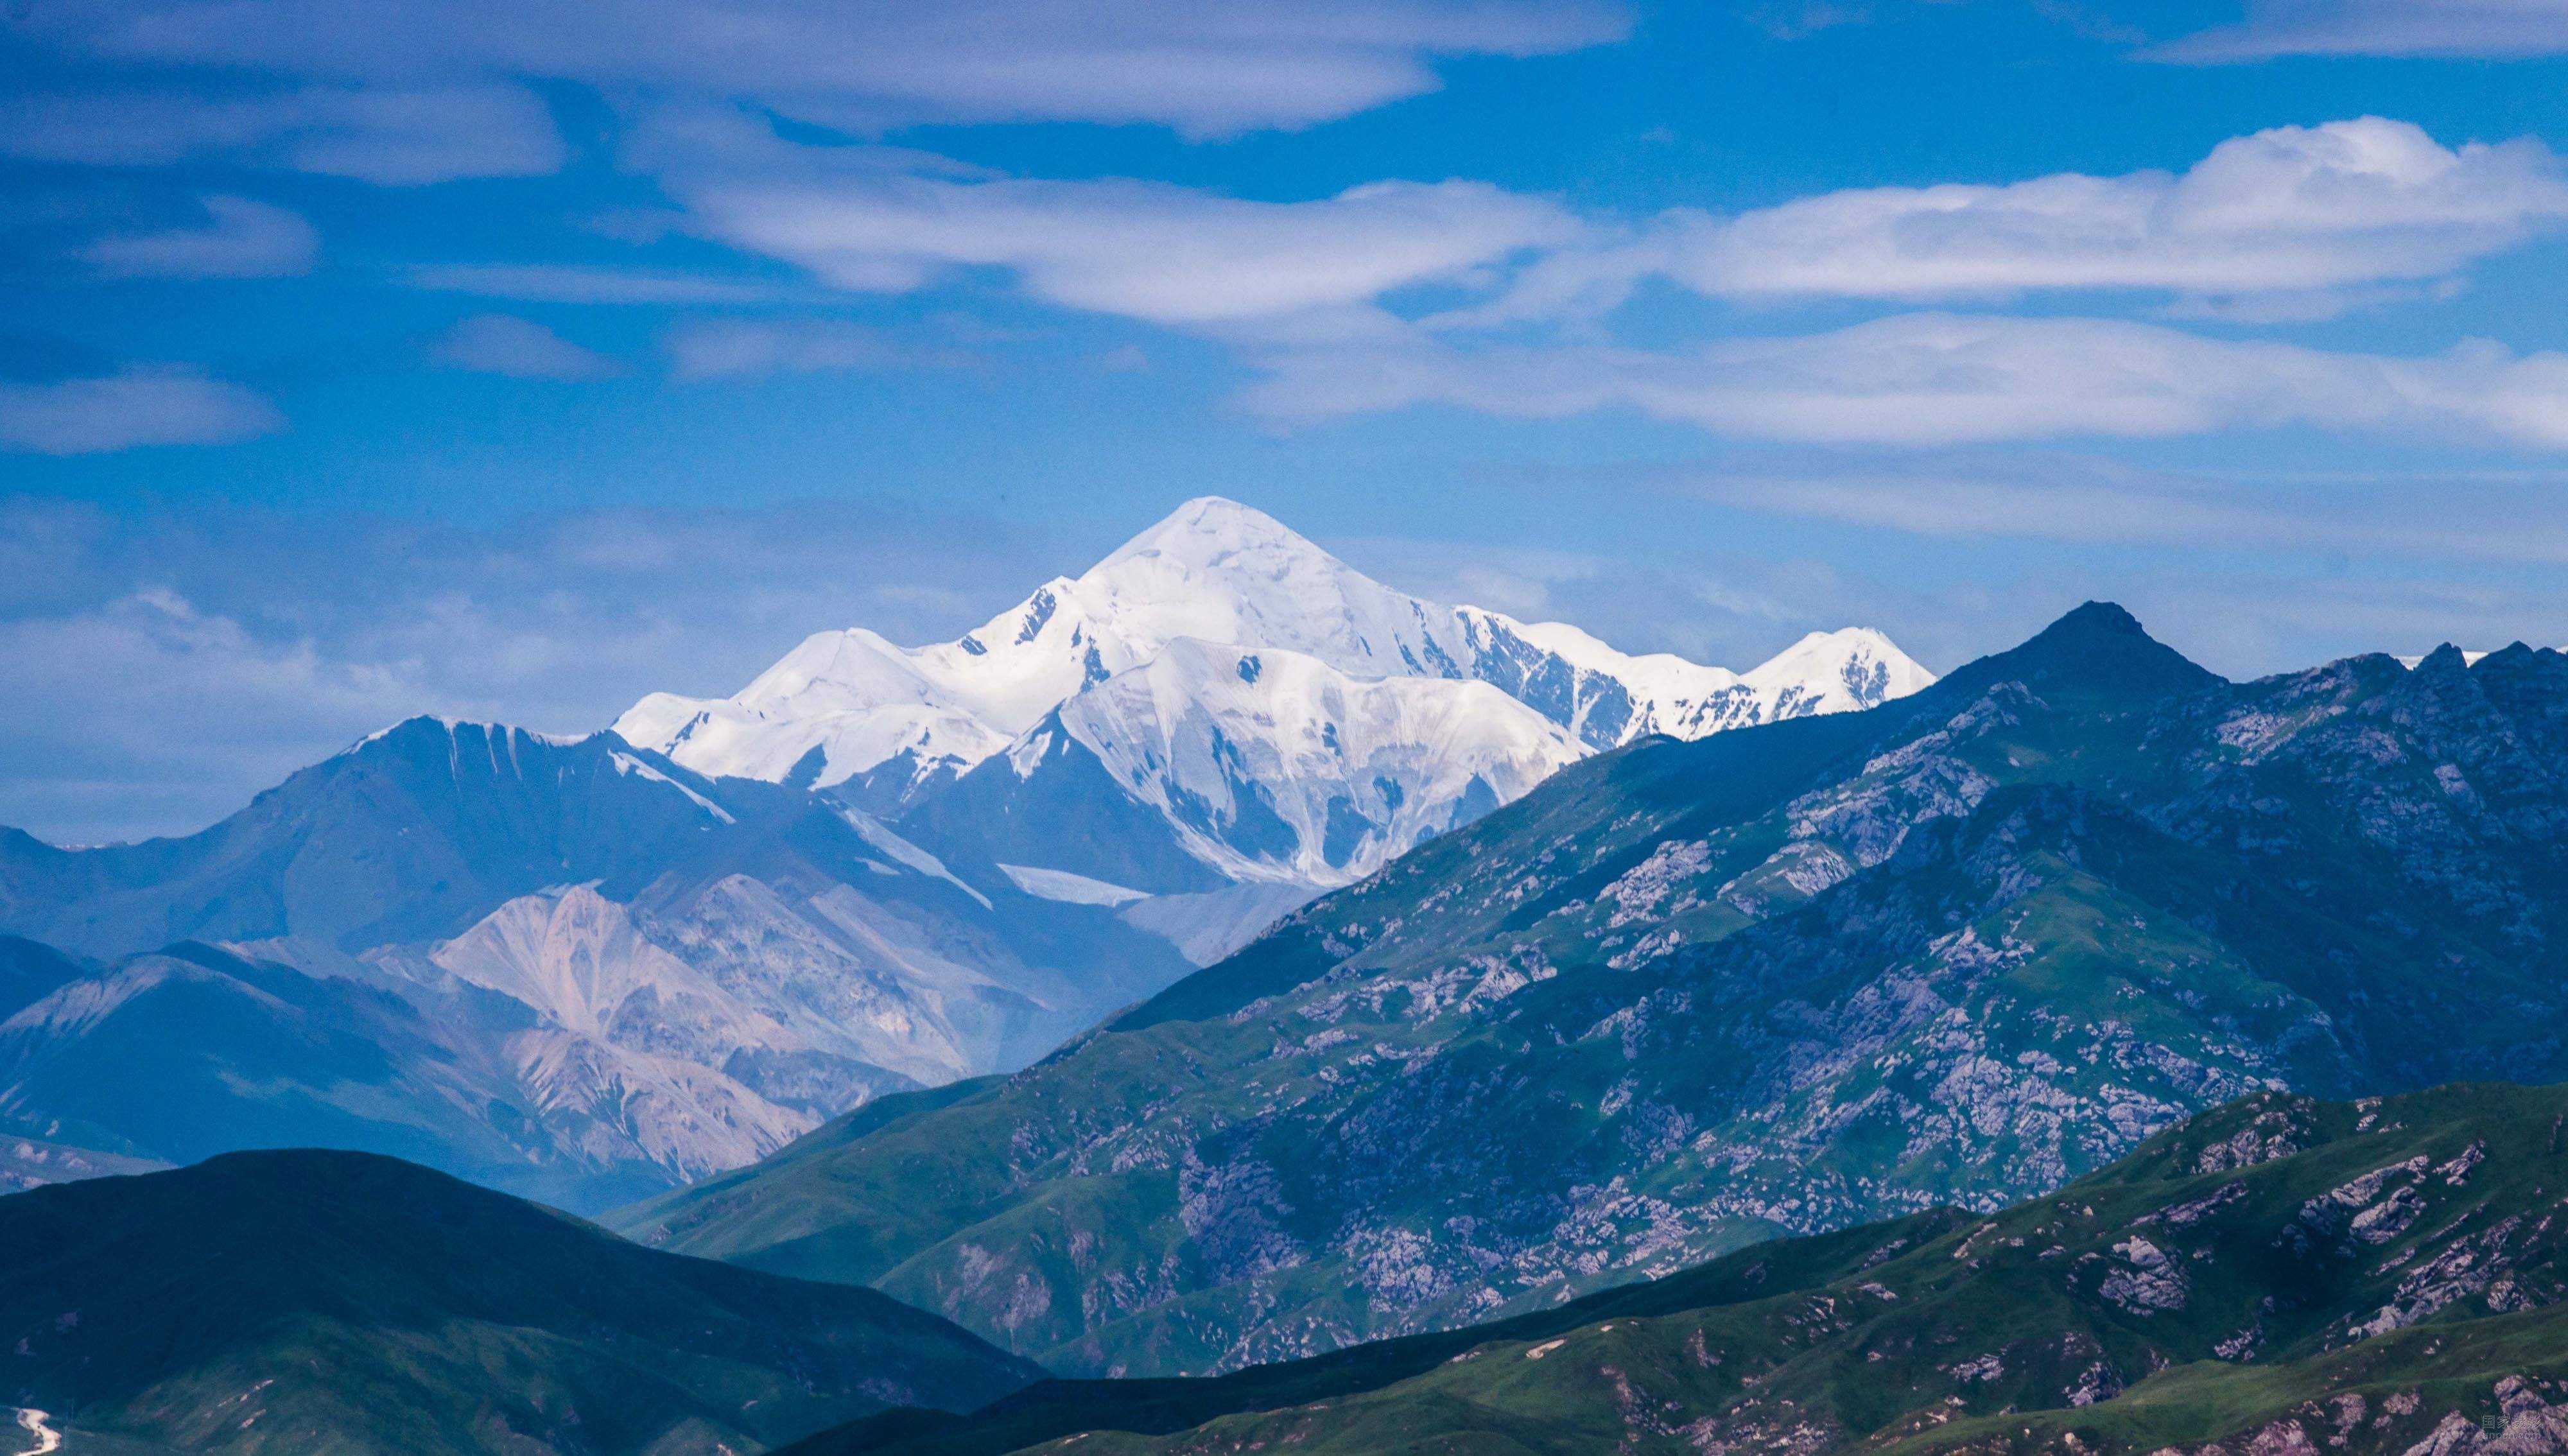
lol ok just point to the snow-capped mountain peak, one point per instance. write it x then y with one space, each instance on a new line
1190 670
1851 668
1221 572
1208 530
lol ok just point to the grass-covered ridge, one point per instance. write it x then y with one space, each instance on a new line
2276 1275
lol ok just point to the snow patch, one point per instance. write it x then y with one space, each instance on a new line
33 1422
1067 888
627 763
878 834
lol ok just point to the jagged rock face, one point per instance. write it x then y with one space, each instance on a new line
1960 949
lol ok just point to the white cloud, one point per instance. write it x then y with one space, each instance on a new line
1945 379
138 406
2292 210
519 349
724 348
1790 20
390 136
101 691
2286 224
571 283
1149 251
2494 28
242 239
1207 66
2308 305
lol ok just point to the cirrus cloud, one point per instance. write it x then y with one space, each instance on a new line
735 348
503 344
389 136
2283 224
1166 254
1205 67
2272 28
1946 378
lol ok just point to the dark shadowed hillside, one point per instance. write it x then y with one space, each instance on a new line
302 1302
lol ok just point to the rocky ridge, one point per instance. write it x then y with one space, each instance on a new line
1960 949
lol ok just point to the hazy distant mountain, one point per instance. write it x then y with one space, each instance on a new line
306 1301
1959 948
568 967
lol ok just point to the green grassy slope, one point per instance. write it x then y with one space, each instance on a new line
2279 1275
294 1302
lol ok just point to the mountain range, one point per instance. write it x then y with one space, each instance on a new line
2024 1062
567 968
587 969
2282 1274
1959 948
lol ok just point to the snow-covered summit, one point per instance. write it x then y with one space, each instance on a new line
1221 572
1217 571
1214 570
1233 585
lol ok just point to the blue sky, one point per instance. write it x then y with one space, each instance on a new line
373 357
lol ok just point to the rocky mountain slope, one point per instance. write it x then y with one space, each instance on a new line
1957 949
301 1301
2282 1275
567 968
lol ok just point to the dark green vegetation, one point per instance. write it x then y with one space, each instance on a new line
1956 950
2282 1275
303 1302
